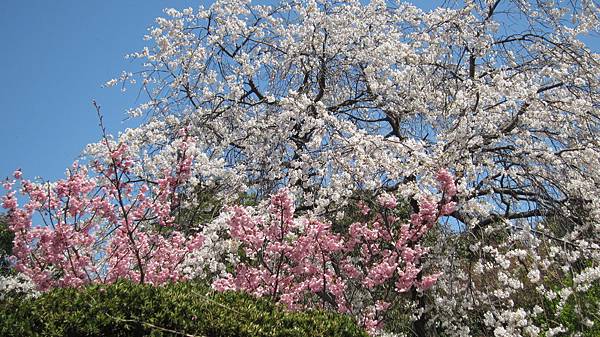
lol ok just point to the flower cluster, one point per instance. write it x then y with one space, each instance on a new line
11 285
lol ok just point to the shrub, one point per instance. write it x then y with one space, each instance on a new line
6 241
185 309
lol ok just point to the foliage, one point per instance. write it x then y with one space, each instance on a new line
127 309
6 243
579 314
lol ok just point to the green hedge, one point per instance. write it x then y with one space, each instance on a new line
126 309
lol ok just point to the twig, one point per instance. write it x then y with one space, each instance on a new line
217 303
152 326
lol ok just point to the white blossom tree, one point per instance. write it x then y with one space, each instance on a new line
332 98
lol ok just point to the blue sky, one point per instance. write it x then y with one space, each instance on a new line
55 55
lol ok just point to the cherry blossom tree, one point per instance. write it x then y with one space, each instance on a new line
340 96
333 100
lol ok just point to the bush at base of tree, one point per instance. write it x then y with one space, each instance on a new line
184 309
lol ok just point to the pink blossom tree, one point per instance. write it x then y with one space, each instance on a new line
102 222
303 263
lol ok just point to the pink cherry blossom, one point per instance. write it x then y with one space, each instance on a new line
302 263
95 229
